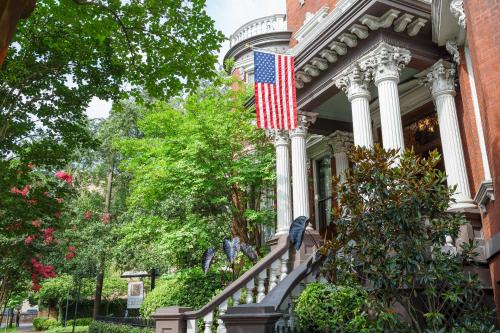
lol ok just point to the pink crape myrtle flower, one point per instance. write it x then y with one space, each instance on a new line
88 215
62 175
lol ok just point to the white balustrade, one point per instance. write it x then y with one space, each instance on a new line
207 321
284 266
274 274
236 297
192 326
257 27
221 327
261 289
250 286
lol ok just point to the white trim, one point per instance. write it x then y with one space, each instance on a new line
477 114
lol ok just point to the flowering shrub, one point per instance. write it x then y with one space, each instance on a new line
31 206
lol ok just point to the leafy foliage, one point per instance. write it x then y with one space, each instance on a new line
44 324
69 329
231 248
190 287
101 327
391 224
199 172
32 240
69 51
326 307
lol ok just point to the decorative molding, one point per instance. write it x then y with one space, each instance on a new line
452 48
485 194
384 21
348 38
310 23
457 9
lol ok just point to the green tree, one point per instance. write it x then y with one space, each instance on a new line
199 173
69 51
392 223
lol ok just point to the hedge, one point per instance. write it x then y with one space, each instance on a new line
80 322
69 329
44 324
101 327
189 287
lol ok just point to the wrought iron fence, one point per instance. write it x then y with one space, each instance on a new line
131 321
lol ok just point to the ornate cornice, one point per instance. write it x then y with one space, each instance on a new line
348 37
485 194
457 9
452 48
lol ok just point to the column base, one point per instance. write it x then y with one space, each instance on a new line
465 206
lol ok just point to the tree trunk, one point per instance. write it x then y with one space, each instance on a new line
101 265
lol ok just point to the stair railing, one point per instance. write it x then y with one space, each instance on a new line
255 283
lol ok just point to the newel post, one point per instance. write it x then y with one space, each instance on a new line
251 318
170 320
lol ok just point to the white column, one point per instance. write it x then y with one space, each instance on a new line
386 64
442 82
341 142
283 191
300 190
354 82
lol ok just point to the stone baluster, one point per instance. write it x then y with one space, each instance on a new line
236 297
284 266
192 326
300 193
250 286
441 80
354 82
207 322
274 274
386 62
283 190
261 288
221 327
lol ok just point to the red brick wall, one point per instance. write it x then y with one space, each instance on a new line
296 14
483 35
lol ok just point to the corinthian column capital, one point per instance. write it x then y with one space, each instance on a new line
340 141
441 78
386 62
304 120
280 137
354 82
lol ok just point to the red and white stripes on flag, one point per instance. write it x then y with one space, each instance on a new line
275 97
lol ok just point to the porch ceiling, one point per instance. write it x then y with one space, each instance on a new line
335 111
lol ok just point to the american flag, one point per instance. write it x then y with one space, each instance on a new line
274 81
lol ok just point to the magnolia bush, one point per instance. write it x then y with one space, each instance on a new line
390 227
